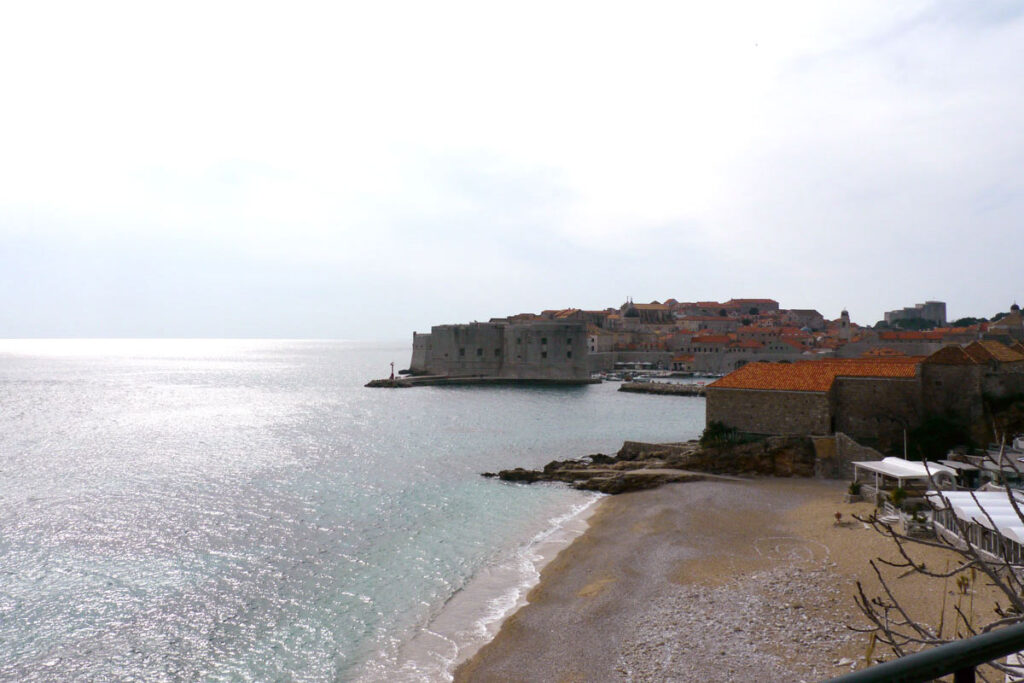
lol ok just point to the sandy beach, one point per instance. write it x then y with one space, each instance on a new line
709 581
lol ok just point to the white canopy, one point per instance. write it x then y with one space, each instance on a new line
1000 517
901 469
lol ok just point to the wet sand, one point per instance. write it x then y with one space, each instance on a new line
711 581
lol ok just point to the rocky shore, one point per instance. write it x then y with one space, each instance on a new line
639 466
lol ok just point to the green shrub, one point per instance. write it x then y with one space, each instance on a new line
898 495
854 488
718 433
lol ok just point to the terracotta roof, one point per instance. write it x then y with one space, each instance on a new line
709 318
712 339
814 375
650 307
950 355
983 351
882 351
683 358
749 344
753 301
1014 319
912 335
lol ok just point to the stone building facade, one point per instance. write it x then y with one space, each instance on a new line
528 351
872 399
933 311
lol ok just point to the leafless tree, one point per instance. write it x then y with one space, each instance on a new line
893 626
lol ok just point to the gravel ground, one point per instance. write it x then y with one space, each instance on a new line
711 581
769 626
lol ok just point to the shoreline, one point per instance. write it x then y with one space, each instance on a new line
473 615
706 580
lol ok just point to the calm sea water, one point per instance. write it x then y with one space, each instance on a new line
246 510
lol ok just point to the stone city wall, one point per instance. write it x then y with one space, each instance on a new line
534 350
546 351
952 391
876 408
770 412
421 348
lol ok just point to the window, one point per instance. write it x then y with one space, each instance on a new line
497 352
479 352
462 351
519 340
568 342
543 354
543 340
568 354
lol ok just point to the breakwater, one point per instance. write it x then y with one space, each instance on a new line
434 380
673 389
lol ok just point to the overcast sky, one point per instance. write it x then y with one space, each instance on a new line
364 169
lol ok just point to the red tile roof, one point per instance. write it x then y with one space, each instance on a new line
950 355
709 318
814 375
712 339
912 335
882 351
984 351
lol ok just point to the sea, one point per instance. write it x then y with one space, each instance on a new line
245 510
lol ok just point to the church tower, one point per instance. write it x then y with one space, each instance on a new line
844 325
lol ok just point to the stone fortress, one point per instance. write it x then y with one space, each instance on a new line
704 337
530 351
932 311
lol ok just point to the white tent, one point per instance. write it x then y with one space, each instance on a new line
904 470
980 513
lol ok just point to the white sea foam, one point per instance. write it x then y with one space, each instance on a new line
474 614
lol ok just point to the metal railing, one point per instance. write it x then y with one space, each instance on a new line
959 658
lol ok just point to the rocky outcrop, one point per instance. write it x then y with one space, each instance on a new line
640 466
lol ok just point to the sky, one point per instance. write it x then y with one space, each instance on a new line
363 170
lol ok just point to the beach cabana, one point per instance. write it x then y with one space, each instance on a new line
891 473
985 519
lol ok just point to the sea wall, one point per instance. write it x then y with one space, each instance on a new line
669 388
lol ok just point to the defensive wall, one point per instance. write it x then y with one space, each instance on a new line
770 412
876 408
498 349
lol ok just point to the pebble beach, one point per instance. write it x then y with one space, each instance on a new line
708 581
